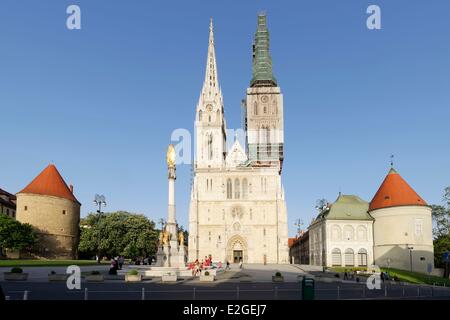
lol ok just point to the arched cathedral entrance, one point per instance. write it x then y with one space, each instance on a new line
237 249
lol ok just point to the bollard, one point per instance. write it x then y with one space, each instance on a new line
143 294
403 291
276 293
338 293
237 292
193 294
25 295
418 291
85 293
385 290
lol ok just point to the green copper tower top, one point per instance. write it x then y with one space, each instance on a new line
262 62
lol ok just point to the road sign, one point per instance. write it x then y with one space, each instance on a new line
446 256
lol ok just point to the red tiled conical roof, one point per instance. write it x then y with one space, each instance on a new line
395 191
50 183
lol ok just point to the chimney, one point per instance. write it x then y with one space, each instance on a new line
71 188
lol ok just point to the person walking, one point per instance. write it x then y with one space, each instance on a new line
121 261
228 265
240 263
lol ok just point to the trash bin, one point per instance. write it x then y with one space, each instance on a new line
308 288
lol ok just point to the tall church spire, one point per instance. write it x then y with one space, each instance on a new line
211 84
262 61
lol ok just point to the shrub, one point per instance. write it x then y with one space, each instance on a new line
206 273
278 274
95 273
133 272
16 270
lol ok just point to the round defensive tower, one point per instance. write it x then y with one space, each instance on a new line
402 229
50 206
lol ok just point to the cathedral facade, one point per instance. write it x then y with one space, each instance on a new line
237 208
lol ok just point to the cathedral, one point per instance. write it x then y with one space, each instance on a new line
237 208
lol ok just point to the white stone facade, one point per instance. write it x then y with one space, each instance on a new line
341 243
237 208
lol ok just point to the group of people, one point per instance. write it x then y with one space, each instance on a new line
144 261
116 264
198 266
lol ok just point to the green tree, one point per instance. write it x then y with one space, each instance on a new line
117 233
441 228
15 235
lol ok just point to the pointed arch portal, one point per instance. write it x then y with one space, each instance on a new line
237 249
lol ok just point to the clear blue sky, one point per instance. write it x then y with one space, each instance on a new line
101 102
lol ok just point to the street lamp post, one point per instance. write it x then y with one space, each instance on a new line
99 201
410 257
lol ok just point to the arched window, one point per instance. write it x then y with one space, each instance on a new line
336 233
200 114
362 257
348 233
336 259
229 189
349 258
362 233
210 146
237 187
244 189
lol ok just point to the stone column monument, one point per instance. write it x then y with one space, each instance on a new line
171 253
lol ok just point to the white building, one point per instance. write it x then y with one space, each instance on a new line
237 208
341 235
395 230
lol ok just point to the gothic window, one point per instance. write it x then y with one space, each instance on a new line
268 141
255 109
237 187
209 118
244 189
265 109
200 113
210 146
218 116
229 189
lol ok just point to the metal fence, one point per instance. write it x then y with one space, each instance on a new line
338 293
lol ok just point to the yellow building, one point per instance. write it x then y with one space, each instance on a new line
50 206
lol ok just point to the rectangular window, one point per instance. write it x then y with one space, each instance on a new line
26 208
419 227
